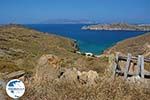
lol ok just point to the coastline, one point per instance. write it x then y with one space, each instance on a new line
86 41
118 27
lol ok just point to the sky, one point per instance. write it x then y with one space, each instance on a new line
103 11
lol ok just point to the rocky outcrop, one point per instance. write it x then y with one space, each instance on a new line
118 26
88 78
49 68
73 75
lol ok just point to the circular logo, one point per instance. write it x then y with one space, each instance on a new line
15 88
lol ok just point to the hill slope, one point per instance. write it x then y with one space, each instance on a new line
139 45
20 47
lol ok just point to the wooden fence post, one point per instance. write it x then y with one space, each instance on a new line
127 66
142 66
116 64
139 65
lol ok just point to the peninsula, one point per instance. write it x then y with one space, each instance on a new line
118 26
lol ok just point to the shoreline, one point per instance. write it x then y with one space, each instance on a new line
75 43
118 27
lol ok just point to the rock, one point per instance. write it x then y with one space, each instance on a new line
2 96
2 89
134 79
2 84
49 59
73 75
70 75
16 74
137 79
92 76
89 77
147 50
47 67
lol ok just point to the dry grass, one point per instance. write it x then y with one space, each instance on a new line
25 45
106 89
46 87
136 46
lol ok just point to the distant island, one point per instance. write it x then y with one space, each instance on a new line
68 21
118 26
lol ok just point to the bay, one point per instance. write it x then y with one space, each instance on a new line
88 40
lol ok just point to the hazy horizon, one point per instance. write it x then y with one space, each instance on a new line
101 11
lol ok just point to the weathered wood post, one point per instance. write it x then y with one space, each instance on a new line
115 64
139 65
142 66
127 66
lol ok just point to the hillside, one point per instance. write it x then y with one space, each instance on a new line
139 45
118 26
20 47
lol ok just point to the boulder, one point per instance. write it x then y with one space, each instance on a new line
73 75
70 75
49 59
89 77
47 67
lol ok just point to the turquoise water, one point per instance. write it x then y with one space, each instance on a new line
88 41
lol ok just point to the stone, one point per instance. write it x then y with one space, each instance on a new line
16 74
49 59
70 75
47 67
73 75
89 77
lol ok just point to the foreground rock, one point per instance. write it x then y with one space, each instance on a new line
49 68
88 78
73 75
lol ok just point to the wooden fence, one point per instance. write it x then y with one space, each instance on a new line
137 63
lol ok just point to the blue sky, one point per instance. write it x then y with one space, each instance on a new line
104 11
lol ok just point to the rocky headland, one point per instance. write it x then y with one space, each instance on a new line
118 26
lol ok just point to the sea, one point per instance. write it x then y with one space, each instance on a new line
87 40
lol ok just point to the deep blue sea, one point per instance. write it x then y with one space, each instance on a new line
88 41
